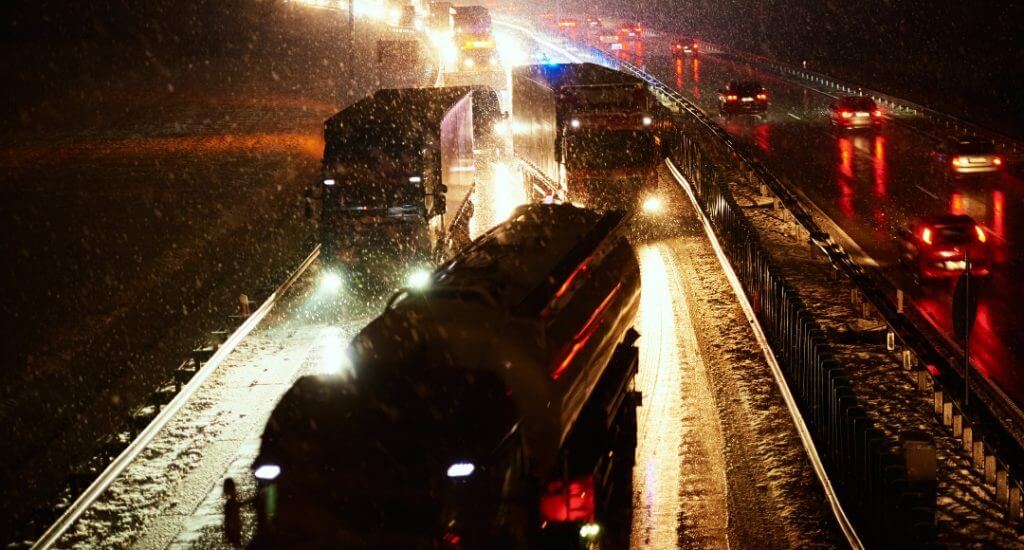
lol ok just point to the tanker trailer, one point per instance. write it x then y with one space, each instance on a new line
493 407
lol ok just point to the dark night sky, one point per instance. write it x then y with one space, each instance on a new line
963 57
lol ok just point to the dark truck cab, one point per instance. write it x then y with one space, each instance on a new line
587 132
397 181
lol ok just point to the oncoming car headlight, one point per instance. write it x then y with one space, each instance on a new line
469 63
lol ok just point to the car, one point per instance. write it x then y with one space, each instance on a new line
629 30
686 46
965 156
743 97
854 111
936 247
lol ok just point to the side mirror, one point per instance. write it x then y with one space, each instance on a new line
442 188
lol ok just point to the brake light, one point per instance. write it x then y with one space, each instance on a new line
731 98
572 501
959 161
926 235
980 232
997 161
877 113
762 96
846 114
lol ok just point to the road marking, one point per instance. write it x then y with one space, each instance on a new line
794 116
927 192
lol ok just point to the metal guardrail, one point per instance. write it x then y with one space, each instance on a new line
52 535
995 426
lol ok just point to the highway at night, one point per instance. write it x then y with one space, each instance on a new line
380 274
871 184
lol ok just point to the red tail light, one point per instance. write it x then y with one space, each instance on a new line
731 98
981 233
846 114
998 161
762 96
572 501
926 235
877 113
959 161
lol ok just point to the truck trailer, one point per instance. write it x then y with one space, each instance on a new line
585 133
474 38
397 186
492 408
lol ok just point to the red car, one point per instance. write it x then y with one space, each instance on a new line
686 46
854 112
936 247
965 156
743 98
630 31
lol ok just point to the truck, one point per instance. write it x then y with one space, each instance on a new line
586 134
474 39
396 186
493 408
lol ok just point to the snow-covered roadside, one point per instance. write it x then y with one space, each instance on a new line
150 503
719 463
137 217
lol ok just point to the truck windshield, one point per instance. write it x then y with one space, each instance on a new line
626 149
596 98
358 193
472 20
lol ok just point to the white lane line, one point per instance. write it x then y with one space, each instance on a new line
927 192
805 434
794 116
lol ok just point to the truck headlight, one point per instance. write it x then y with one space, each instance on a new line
461 469
267 472
418 279
653 205
330 282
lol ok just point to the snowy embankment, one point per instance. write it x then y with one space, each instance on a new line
142 198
